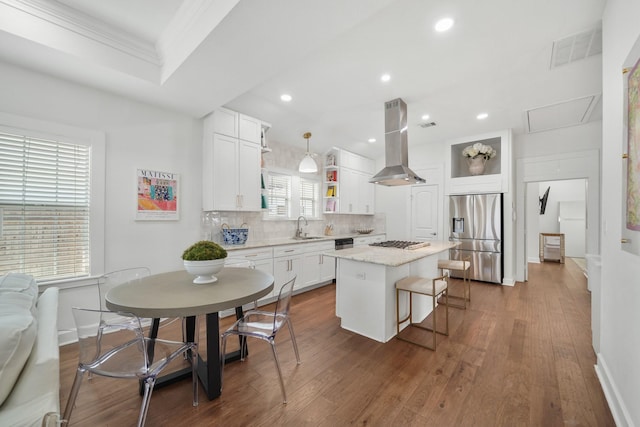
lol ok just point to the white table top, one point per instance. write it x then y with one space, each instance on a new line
175 295
392 257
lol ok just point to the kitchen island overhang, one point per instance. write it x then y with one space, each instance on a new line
365 285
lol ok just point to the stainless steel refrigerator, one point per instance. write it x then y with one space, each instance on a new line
476 222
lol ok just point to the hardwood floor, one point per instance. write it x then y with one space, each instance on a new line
519 356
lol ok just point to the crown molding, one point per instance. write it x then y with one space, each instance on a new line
192 23
79 24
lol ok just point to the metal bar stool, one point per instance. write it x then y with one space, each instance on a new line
463 265
424 286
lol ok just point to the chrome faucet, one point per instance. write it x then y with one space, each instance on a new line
298 229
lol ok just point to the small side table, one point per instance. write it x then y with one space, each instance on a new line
552 247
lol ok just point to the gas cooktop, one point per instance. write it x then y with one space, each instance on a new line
400 244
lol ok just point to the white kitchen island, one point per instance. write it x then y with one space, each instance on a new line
365 286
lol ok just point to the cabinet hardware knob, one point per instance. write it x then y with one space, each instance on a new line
625 240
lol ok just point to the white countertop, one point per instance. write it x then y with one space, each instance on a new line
251 244
391 257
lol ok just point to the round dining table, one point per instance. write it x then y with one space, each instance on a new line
174 294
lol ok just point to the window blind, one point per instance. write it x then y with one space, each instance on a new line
279 190
44 207
308 198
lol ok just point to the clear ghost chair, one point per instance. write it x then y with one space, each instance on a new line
264 325
112 279
110 347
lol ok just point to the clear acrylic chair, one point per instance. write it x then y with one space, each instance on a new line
129 275
110 347
265 325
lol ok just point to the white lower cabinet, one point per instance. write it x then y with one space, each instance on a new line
303 260
317 267
262 259
287 263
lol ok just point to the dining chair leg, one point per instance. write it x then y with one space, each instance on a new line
148 390
194 372
275 358
223 352
75 388
293 340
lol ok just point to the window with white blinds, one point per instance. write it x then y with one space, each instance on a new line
309 191
289 196
279 190
45 195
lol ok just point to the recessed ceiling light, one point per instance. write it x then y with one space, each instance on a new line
286 97
385 77
482 116
371 140
425 117
443 25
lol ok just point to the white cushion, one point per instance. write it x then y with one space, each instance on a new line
37 390
453 264
18 327
421 285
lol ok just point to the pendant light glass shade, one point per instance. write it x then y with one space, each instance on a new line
307 164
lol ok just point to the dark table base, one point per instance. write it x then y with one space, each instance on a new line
209 373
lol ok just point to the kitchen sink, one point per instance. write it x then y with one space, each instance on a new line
307 237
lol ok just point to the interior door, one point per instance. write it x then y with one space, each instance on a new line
424 212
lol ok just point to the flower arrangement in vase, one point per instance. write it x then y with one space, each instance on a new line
477 155
204 259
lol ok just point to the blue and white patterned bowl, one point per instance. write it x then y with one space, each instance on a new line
235 236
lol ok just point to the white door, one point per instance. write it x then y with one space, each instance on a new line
424 212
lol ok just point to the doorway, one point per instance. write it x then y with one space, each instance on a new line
565 211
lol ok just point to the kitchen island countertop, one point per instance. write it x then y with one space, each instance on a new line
391 257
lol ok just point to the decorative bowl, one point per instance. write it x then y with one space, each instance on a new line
364 230
234 236
204 270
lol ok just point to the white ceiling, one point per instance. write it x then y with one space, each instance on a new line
196 55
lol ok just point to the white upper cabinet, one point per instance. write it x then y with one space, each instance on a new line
225 122
349 192
462 178
231 166
249 129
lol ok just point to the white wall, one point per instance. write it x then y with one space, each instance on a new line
137 136
619 338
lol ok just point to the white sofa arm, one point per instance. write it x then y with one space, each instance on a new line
37 391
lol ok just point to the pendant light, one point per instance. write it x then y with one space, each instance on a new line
307 164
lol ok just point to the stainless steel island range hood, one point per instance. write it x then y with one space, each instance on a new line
396 171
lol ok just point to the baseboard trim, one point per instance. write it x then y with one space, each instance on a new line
617 407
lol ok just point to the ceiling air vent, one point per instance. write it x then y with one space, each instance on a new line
576 47
427 125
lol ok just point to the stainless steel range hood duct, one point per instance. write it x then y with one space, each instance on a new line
396 171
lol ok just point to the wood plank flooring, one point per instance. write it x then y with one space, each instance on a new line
519 356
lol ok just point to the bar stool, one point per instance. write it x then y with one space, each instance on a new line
424 286
463 265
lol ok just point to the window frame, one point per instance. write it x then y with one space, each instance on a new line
19 125
295 195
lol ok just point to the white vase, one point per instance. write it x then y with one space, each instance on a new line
204 270
476 165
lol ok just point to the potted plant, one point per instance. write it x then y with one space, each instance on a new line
203 259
